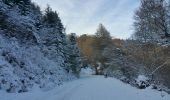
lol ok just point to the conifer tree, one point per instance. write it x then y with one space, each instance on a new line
24 5
102 42
74 54
52 19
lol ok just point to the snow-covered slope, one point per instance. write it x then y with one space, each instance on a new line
31 53
91 88
22 67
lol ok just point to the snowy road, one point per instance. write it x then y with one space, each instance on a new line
91 88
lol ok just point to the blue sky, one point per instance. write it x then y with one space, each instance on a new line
84 16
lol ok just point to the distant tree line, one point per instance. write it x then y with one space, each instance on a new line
127 59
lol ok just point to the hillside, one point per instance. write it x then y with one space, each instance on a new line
34 52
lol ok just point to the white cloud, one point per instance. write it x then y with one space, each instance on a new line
83 16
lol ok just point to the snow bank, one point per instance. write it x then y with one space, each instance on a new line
142 82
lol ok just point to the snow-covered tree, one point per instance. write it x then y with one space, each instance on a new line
52 19
32 50
151 20
24 5
74 59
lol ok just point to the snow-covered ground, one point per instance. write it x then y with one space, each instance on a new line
90 88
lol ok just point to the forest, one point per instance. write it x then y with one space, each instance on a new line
37 52
146 52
